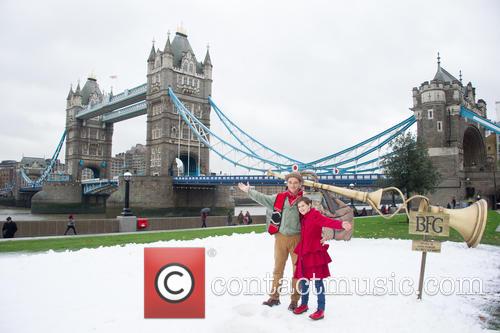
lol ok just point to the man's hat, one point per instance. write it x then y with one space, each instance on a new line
296 175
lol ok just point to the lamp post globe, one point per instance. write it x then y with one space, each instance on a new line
127 176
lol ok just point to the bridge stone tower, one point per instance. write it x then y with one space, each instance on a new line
88 142
168 137
456 146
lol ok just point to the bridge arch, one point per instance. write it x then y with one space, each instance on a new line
185 165
474 148
89 172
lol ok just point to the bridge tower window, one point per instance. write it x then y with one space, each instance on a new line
430 114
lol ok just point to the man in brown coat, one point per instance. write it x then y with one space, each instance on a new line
286 233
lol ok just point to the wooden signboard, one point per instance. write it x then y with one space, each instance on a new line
430 224
426 246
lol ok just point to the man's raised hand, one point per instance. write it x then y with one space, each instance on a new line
243 187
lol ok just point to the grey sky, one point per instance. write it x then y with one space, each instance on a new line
305 77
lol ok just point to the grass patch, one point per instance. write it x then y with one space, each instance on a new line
370 227
79 242
378 227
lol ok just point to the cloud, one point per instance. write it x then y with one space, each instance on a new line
328 72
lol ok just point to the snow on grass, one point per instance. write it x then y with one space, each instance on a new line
101 290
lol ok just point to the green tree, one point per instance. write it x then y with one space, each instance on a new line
409 167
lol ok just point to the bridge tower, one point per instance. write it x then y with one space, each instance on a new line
168 138
456 146
88 142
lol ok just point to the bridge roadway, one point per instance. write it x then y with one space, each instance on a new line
94 186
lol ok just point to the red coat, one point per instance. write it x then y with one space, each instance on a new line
312 257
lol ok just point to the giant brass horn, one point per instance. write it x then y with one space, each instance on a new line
372 198
468 222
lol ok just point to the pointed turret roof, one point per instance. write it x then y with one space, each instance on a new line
180 45
207 60
90 87
152 54
168 46
70 93
442 74
77 91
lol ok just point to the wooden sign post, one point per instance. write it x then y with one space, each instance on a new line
427 224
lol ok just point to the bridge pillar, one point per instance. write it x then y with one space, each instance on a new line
88 142
156 196
57 198
168 137
456 146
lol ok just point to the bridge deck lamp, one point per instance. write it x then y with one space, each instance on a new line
351 186
127 176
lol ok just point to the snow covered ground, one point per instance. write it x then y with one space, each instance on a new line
101 290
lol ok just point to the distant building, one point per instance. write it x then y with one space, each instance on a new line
133 160
87 174
7 173
117 165
33 166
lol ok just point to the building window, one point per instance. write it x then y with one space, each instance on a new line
173 132
156 132
156 109
430 114
418 115
439 126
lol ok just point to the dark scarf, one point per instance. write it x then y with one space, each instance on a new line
279 203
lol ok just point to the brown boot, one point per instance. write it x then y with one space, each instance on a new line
292 306
271 302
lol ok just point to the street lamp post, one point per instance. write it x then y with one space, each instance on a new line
127 176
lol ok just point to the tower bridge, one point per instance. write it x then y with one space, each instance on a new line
177 99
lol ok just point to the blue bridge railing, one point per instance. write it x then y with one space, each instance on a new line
339 180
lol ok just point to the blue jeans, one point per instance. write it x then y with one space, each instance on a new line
320 291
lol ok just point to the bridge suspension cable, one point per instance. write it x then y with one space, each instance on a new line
350 158
221 147
48 169
252 145
350 155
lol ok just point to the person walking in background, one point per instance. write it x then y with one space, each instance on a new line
9 228
229 217
70 225
240 217
204 219
248 218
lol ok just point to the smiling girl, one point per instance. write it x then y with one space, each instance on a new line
312 255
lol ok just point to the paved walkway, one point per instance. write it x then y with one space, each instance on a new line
122 233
